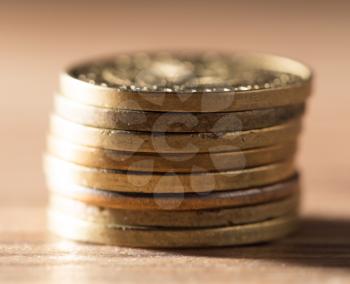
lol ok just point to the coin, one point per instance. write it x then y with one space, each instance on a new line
137 141
153 162
188 82
157 218
180 201
173 122
129 181
114 234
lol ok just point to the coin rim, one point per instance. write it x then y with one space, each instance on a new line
179 219
80 230
186 201
120 140
100 158
129 120
131 181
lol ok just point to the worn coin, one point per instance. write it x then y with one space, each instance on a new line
188 82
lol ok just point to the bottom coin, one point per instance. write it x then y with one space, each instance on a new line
167 201
157 218
80 230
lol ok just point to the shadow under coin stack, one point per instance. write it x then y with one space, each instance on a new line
177 149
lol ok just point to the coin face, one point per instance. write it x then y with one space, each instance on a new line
188 82
171 72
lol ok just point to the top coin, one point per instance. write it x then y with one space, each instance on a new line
188 82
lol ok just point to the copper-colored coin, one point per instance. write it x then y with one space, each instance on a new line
188 82
173 122
136 141
184 201
153 162
158 218
129 181
115 234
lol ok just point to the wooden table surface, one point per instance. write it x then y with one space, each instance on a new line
38 38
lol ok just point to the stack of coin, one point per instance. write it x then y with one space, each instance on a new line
171 149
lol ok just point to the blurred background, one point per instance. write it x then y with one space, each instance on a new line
39 38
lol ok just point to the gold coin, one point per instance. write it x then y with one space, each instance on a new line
157 218
191 82
173 122
129 181
153 162
136 141
180 201
148 237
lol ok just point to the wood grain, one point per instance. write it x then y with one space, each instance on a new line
38 38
